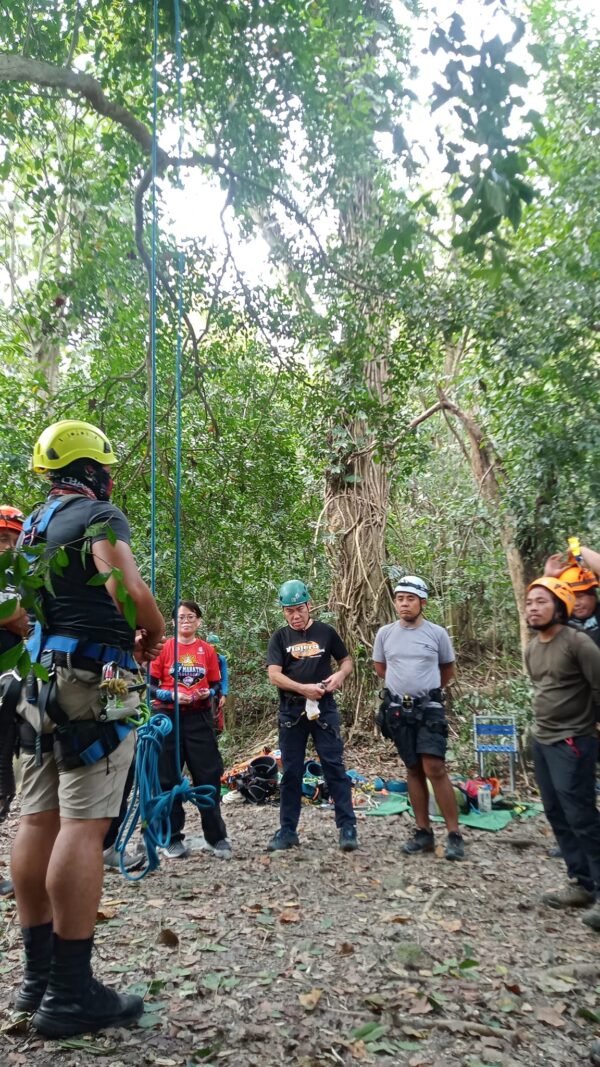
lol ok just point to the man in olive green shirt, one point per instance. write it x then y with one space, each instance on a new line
564 667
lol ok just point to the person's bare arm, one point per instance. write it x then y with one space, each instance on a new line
446 673
148 617
379 668
336 680
281 680
591 559
17 623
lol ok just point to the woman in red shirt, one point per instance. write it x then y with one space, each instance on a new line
198 671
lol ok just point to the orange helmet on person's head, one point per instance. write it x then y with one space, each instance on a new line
558 588
578 578
11 518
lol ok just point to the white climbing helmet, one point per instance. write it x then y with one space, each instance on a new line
412 584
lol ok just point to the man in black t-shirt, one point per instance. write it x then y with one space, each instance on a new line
67 802
299 664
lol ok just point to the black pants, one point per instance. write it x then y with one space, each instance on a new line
566 775
113 830
294 731
199 751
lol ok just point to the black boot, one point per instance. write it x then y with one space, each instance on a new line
37 941
74 1001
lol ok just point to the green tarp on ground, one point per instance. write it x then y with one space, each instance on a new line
493 820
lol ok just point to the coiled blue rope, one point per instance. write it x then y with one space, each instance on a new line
149 805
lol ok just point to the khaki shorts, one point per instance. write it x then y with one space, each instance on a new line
87 792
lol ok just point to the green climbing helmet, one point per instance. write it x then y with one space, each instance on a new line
292 593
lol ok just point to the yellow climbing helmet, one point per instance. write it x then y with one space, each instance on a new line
63 442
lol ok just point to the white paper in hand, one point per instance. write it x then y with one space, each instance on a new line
312 709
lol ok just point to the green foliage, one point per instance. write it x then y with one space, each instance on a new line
289 106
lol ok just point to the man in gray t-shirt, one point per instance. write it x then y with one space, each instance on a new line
415 657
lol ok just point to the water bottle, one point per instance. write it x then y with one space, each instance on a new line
484 798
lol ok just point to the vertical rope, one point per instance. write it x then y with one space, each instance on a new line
148 803
178 390
154 213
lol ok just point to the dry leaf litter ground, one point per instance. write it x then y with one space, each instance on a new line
312 957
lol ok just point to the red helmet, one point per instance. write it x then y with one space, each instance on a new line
11 518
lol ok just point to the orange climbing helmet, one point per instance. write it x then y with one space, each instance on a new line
578 578
11 518
558 588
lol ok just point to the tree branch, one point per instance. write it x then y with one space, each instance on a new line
425 415
20 69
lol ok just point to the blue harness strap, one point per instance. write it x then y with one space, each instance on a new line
90 649
36 524
224 675
95 752
34 527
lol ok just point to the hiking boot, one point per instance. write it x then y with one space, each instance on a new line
74 1001
95 1007
592 917
132 860
455 847
573 895
283 839
421 841
222 849
175 851
37 942
348 839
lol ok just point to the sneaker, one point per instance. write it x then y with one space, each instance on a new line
592 916
175 851
348 839
133 860
573 895
421 841
222 849
283 839
455 847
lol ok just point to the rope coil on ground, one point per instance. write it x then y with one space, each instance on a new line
149 805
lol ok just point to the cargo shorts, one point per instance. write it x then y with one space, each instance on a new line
428 738
86 792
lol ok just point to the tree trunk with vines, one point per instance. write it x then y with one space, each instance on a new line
357 494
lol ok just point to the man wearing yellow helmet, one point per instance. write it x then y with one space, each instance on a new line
564 667
75 757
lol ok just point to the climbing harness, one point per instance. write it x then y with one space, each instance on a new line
259 781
